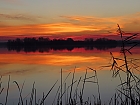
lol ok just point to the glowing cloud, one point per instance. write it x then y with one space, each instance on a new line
108 23
75 25
44 29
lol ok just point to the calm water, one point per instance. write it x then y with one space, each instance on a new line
44 69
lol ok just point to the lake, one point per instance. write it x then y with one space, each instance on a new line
45 69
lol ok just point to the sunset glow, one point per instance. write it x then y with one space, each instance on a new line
68 52
59 20
84 24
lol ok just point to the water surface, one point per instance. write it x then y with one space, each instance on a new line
44 69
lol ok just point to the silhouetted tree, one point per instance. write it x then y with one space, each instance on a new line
45 44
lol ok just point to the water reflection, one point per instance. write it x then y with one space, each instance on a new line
56 48
44 69
78 57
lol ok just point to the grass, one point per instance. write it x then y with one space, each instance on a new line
127 92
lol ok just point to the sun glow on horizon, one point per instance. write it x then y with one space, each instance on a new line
76 25
57 28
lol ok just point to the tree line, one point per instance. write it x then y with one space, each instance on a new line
45 44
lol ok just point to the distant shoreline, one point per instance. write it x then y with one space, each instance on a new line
45 44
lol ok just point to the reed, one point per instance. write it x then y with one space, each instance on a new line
7 93
20 92
129 88
1 88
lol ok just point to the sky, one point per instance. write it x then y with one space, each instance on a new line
68 18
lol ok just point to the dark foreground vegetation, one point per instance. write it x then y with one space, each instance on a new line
45 44
127 92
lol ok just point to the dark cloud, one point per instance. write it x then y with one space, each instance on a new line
19 17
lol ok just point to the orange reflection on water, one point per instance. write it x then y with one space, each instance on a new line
58 60
21 62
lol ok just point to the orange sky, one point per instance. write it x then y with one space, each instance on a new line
51 18
75 26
